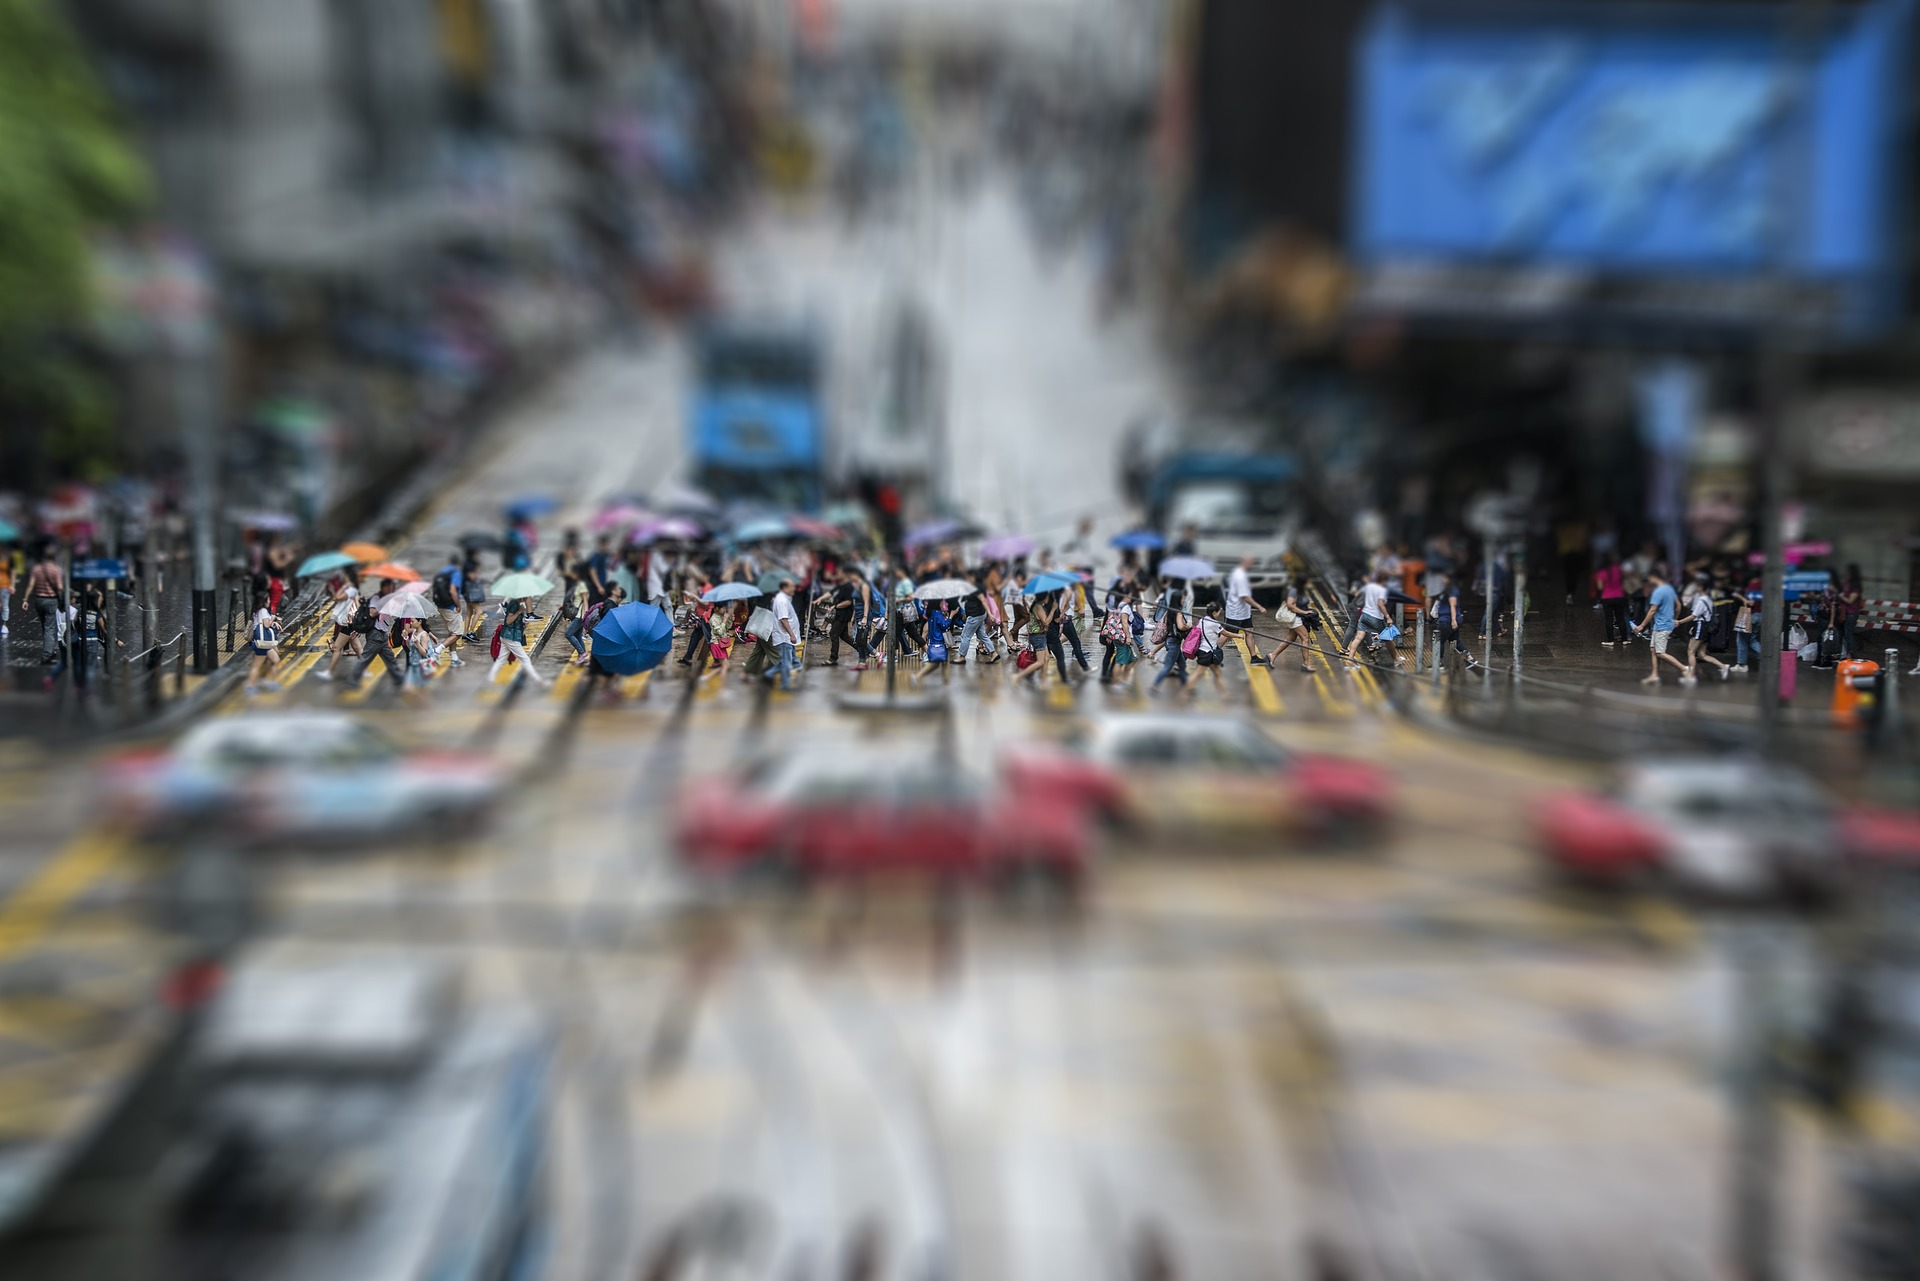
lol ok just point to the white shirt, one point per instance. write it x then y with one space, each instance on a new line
657 570
1210 632
783 614
1239 595
1702 608
1373 598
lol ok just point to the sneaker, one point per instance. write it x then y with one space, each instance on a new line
858 667
1739 667
1689 679
327 676
1726 673
1649 680
1606 644
1261 662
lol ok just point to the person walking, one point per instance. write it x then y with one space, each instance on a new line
1066 605
1043 636
1241 608
568 565
786 635
1372 619
264 637
1208 655
46 592
348 617
977 626
1661 602
1746 646
1609 584
597 573
1292 618
725 629
580 634
473 594
444 592
1701 620
513 644
6 586
936 647
1170 633
849 604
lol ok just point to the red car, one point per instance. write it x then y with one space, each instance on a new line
1720 826
828 816
1213 774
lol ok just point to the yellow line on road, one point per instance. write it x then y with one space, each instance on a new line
635 686
1260 680
27 914
563 684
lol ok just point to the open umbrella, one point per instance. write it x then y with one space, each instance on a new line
8 531
531 505
944 589
769 582
1049 580
845 515
812 528
405 604
632 638
665 527
620 515
418 587
731 591
520 586
479 540
752 531
391 569
272 521
1187 567
365 553
934 531
684 498
322 563
1006 547
1140 540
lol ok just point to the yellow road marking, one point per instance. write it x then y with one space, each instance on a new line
31 909
1661 923
563 683
1260 680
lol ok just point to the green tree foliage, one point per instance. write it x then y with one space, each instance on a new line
66 169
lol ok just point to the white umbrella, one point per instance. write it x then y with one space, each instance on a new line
945 589
408 605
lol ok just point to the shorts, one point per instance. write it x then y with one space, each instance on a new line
1371 624
1237 624
1660 640
1209 658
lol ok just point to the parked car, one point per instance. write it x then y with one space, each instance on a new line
309 775
827 815
1216 775
1718 826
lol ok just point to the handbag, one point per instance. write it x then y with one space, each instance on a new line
1391 632
760 623
936 651
493 650
1026 658
1191 645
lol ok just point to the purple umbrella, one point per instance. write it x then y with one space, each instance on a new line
1006 547
664 527
936 531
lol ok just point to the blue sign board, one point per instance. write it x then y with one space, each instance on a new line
1809 582
1679 160
100 568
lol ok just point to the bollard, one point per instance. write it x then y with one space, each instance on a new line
1420 639
1890 697
1439 654
180 671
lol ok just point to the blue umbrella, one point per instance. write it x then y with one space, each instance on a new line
1049 580
633 638
731 591
322 563
1142 539
936 531
8 532
531 505
753 531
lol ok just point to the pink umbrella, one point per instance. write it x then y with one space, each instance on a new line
814 528
1006 547
664 527
419 586
620 515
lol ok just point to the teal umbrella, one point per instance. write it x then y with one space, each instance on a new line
322 563
8 532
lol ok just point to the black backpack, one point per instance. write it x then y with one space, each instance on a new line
443 590
363 618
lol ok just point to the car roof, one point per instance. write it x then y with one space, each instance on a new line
270 728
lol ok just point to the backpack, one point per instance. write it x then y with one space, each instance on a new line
362 619
1115 629
443 589
1191 645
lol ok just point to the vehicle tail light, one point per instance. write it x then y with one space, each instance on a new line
194 984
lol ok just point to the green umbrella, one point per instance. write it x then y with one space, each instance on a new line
521 586
769 582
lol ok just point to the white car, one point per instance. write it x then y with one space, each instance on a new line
300 775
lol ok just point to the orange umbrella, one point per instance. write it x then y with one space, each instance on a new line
388 569
365 552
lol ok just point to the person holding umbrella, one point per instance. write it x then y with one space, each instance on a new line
473 595
513 643
582 627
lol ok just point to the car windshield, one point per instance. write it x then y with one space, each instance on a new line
1228 505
